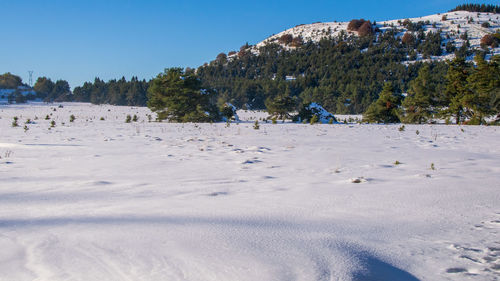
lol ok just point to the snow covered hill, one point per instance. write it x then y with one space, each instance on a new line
455 25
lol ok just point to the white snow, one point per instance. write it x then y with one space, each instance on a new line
109 200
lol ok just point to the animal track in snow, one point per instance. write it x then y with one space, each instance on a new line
482 259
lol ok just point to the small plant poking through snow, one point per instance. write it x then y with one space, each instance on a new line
72 118
128 119
7 154
433 167
26 128
52 124
417 132
358 180
47 117
102 119
256 125
135 118
397 163
14 122
402 128
314 119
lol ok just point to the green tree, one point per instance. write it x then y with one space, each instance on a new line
60 92
456 89
385 108
43 87
484 84
10 81
179 97
418 105
281 106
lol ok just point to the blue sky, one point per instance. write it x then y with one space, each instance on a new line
80 40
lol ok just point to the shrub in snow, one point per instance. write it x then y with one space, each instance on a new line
228 112
314 110
256 125
314 119
14 123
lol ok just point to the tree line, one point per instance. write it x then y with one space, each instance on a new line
471 94
115 92
344 73
480 8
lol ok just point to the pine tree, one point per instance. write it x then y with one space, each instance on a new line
418 105
43 87
456 89
179 97
483 82
280 106
385 108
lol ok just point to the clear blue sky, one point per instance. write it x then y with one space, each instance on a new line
79 40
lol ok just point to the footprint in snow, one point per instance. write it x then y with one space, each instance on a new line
215 194
485 256
251 161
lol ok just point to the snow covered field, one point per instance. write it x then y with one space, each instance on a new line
106 200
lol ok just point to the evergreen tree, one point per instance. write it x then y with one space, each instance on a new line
418 105
483 82
43 87
179 97
456 89
385 108
281 106
60 92
10 81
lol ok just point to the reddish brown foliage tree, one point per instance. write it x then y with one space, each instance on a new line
354 25
365 29
408 39
285 39
297 42
488 40
221 58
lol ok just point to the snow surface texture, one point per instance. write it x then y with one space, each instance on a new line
457 23
108 200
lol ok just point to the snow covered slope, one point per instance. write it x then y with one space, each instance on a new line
105 200
457 23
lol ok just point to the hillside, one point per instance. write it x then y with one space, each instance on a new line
344 65
452 29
